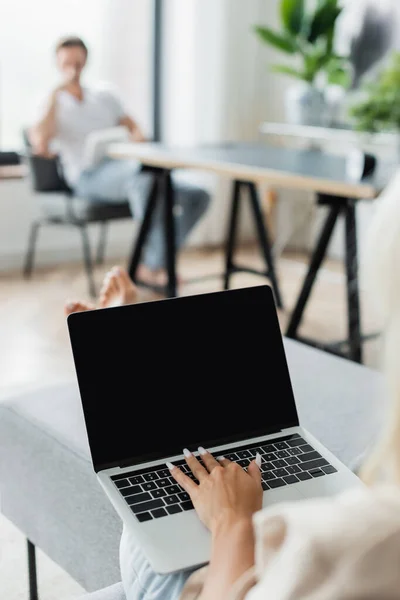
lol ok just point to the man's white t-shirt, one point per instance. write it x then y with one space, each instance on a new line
75 120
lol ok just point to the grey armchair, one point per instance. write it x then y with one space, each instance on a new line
115 592
57 205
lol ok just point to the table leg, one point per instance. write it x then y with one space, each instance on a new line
144 228
353 299
316 261
264 243
233 221
170 238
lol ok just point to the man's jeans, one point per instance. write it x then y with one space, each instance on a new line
120 180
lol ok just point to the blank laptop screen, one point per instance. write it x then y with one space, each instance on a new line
200 370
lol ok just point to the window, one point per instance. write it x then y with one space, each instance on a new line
117 32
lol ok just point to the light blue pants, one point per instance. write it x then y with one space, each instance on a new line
119 180
140 582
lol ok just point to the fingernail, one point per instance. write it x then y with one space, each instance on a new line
258 460
170 466
202 450
187 453
221 458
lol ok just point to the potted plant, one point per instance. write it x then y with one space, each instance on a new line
307 35
378 108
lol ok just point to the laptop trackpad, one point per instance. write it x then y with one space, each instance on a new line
284 494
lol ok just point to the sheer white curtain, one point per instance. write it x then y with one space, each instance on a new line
117 32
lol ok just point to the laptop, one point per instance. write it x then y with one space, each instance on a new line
206 370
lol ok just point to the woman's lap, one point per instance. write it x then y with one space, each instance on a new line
140 581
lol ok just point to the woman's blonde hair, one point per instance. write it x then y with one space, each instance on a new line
380 276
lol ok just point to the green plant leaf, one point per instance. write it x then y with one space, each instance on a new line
340 77
281 42
324 19
288 71
292 15
379 107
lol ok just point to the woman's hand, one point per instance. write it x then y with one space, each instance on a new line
225 494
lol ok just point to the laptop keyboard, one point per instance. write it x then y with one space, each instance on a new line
152 493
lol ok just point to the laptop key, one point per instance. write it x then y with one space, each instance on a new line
183 497
171 499
252 452
267 467
314 464
232 457
268 456
265 486
159 512
267 476
316 473
280 472
173 489
309 456
329 469
268 448
163 482
137 498
121 483
243 454
299 441
145 516
291 479
292 469
303 476
243 463
132 489
307 448
275 483
136 480
259 450
278 464
145 506
150 476
187 505
163 473
280 445
282 453
173 509
160 493
292 460
149 485
296 451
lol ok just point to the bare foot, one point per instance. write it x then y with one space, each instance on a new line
73 307
118 289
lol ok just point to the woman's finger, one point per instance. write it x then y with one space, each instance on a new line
254 468
208 459
188 484
197 469
223 461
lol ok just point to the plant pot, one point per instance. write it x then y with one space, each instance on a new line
306 105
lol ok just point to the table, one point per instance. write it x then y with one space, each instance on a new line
340 135
248 164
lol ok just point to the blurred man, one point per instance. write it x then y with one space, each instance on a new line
72 112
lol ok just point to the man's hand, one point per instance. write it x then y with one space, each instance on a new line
225 492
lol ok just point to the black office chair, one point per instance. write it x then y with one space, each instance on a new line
64 208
